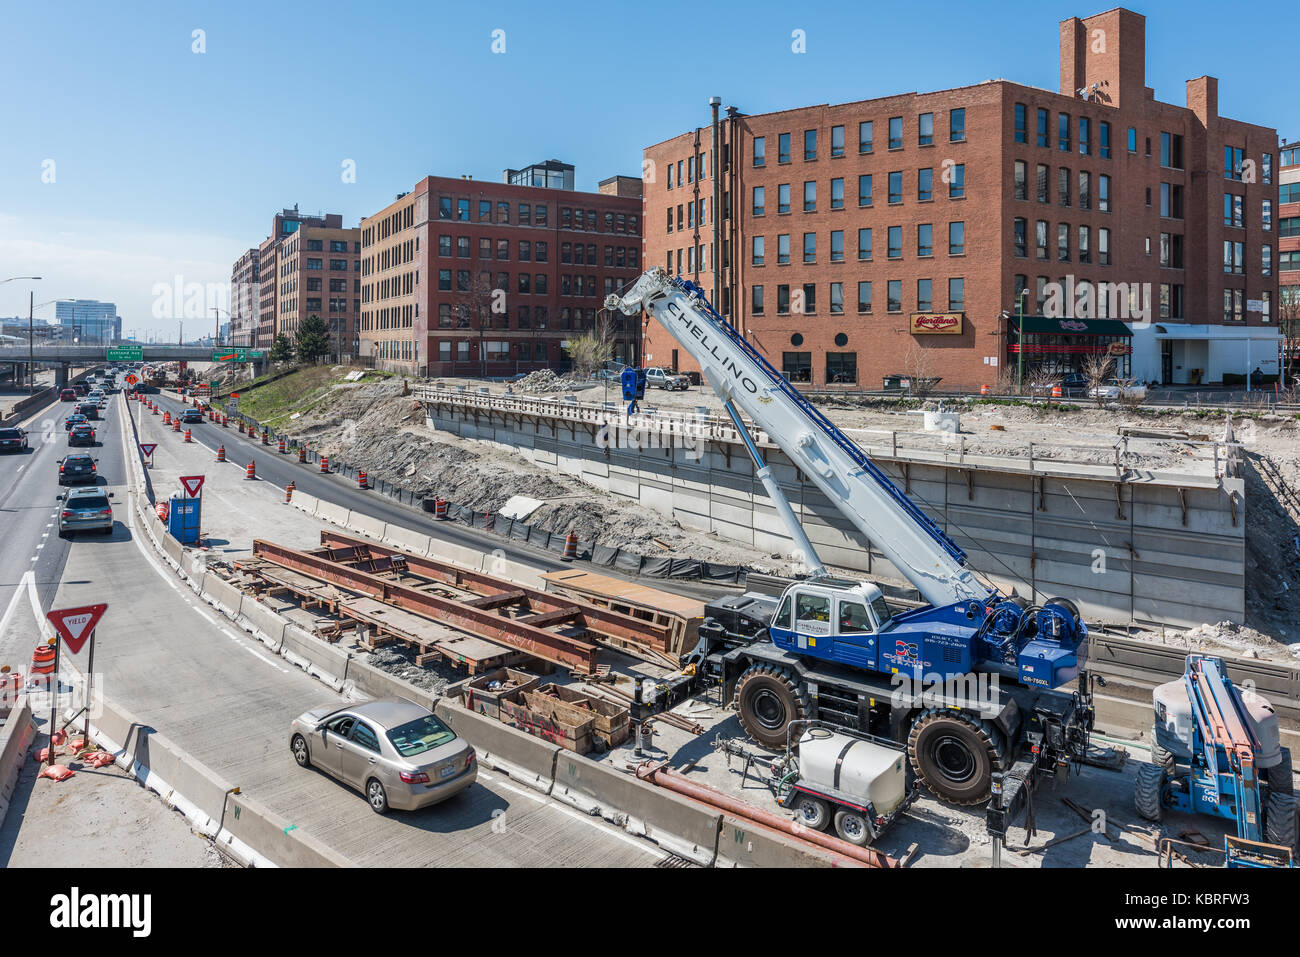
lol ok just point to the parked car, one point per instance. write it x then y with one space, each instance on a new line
192 415
75 419
85 510
398 754
1118 388
68 395
13 440
83 434
664 379
77 467
1072 384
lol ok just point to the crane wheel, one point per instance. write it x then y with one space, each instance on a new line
954 755
1279 776
1280 819
1148 796
1161 756
767 700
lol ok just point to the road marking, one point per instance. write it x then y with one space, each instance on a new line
19 591
21 467
46 628
45 534
41 545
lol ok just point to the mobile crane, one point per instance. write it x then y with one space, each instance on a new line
967 682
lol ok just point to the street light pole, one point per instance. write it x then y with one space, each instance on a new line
1020 345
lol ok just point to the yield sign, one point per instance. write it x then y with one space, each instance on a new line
147 448
192 484
75 625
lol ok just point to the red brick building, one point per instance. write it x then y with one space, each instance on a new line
462 277
1288 241
896 235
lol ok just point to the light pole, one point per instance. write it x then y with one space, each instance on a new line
31 366
1020 342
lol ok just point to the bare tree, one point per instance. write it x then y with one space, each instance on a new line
919 368
1288 313
593 348
1097 369
472 308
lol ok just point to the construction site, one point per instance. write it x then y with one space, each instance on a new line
1061 613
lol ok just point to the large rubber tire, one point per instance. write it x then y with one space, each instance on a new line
376 796
1148 796
811 812
954 755
1280 819
1280 777
851 826
301 754
1164 758
767 700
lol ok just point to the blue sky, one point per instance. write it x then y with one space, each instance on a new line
168 162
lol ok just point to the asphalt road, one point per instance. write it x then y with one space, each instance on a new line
282 469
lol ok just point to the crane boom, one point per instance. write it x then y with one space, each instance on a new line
739 374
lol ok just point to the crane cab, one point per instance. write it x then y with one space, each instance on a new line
837 619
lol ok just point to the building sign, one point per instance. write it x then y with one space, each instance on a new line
1254 305
937 323
1119 349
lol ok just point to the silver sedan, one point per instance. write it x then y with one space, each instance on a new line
398 754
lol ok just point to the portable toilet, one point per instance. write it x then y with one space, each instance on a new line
183 519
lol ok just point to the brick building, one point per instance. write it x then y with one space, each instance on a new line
896 235
462 277
245 298
1288 242
308 265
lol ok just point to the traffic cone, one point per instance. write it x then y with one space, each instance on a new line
187 436
302 453
1056 392
984 390
362 481
176 425
288 493
440 508
161 510
167 418
266 437
281 448
225 421
570 547
221 453
251 471
324 463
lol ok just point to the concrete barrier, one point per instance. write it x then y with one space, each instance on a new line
515 571
264 620
175 551
318 658
400 537
15 738
278 839
742 844
305 502
523 757
329 512
676 824
227 596
458 554
380 684
366 525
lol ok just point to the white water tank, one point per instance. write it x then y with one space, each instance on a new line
859 770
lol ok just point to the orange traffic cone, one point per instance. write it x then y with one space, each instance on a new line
221 453
288 493
324 463
362 481
984 390
251 471
570 547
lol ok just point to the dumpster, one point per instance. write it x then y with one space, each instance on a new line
183 519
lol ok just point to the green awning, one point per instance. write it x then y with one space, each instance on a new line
1042 325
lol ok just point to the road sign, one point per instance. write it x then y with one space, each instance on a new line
75 625
237 354
192 484
132 379
147 448
124 354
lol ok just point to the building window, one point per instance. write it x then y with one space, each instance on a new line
756 300
1042 181
810 247
1266 169
1105 140
956 294
864 245
1085 190
894 295
759 198
783 198
1020 182
837 141
1063 179
924 298
783 300
783 148
957 187
810 196
444 279
895 188
837 245
1019 228
444 207
1041 238
1085 136
1062 242
1103 193
957 239
866 132
809 145
1085 250
1022 123
797 366
837 193
837 298
444 245
1266 216
1266 260
895 236
760 156
864 190
957 126
864 297
1063 132
924 185
1234 305
1233 211
895 132
1234 257
925 129
1232 162
1171 151
842 367
1044 136
783 249
1171 200
1103 246
925 240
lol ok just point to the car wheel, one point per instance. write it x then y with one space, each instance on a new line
852 827
300 753
812 812
376 796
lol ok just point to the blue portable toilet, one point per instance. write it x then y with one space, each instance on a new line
633 383
183 519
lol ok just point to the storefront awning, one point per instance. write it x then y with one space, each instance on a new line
1174 330
1043 325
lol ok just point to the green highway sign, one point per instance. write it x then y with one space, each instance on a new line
124 354
236 354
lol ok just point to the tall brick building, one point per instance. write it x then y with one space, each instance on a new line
245 299
1288 242
308 265
896 235
462 277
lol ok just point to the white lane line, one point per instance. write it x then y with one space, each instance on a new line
19 594
46 628
21 467
46 534
40 546
598 824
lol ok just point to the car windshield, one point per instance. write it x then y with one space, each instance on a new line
421 735
77 460
881 610
89 501
10 434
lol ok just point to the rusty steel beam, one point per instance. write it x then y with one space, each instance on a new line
571 653
600 620
498 600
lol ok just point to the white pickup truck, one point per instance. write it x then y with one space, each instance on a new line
663 379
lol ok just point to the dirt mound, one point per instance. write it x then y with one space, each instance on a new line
545 382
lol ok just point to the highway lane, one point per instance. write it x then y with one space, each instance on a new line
175 663
282 469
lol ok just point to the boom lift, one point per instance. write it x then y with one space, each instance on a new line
966 682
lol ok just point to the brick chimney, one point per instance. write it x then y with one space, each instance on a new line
1108 50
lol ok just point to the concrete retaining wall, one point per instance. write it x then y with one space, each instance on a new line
16 736
741 844
525 758
1124 551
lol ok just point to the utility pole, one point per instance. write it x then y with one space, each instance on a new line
31 337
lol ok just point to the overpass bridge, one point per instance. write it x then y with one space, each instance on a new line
64 355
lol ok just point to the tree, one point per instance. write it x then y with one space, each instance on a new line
593 348
281 349
313 339
1097 368
475 307
1289 325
